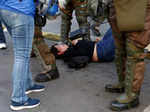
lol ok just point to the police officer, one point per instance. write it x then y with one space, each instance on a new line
67 7
130 43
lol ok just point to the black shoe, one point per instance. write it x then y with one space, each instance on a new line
117 106
114 88
48 76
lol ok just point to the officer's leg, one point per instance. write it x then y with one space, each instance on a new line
120 59
66 16
135 67
46 58
81 16
120 54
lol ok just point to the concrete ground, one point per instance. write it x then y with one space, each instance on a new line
76 90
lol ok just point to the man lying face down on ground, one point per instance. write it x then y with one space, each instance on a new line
101 51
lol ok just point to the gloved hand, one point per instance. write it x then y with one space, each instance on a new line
62 3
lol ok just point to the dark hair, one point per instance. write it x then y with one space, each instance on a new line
54 50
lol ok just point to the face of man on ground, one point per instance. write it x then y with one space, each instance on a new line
61 48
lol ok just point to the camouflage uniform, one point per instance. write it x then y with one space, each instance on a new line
130 56
45 57
42 51
81 12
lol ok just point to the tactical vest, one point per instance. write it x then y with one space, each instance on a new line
130 14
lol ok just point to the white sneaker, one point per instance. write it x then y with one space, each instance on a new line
147 109
3 46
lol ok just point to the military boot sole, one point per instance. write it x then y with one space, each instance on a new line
116 106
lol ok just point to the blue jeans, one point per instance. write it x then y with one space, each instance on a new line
21 29
2 36
106 47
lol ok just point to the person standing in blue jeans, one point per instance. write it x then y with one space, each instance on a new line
2 38
18 17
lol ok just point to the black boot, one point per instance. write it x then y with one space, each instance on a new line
48 76
114 88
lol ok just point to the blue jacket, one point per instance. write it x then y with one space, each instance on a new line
24 6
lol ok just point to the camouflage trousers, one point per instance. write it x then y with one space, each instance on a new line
130 54
42 51
81 12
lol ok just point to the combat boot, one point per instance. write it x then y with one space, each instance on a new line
124 102
51 72
47 76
